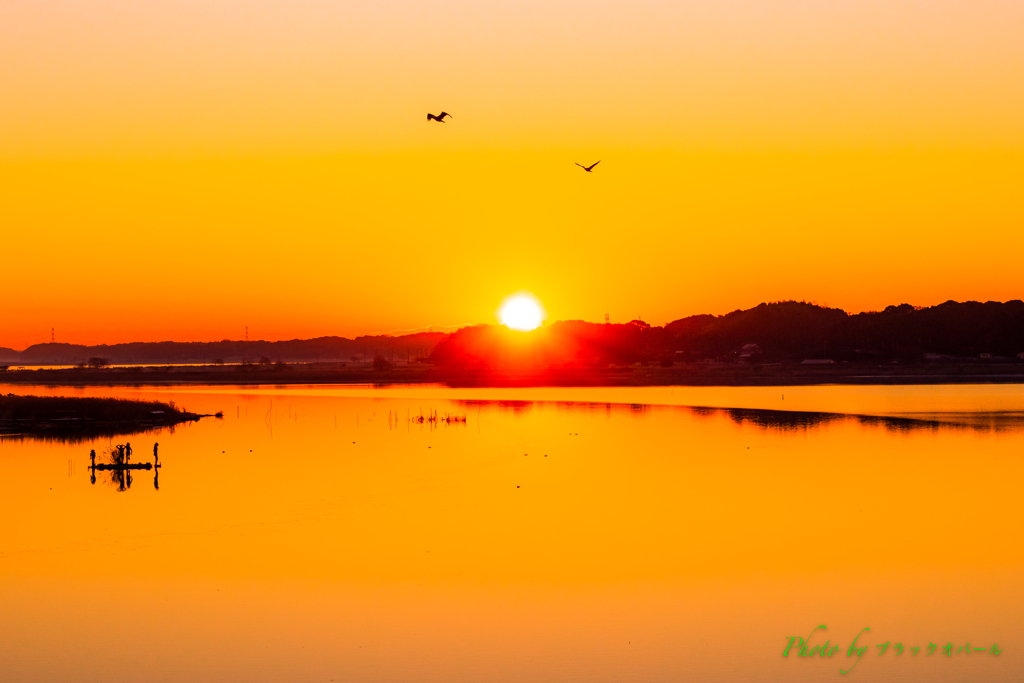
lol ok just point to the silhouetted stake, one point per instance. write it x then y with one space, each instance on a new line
439 118
588 169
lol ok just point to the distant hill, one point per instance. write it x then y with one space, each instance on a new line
959 329
792 330
408 347
787 331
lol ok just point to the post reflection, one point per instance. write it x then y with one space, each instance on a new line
119 466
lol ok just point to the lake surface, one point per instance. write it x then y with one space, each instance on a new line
617 534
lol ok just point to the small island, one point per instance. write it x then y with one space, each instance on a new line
62 417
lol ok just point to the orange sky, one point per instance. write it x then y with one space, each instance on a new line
179 169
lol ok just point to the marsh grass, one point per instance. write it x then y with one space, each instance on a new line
62 408
72 420
435 418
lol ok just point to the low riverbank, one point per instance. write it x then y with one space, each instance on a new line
62 417
690 374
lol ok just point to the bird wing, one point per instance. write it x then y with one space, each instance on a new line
444 114
580 165
429 116
594 164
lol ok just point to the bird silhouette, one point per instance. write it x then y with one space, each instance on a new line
588 169
439 118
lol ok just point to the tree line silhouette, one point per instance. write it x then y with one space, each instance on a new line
783 331
409 347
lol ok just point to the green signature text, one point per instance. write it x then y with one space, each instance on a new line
801 647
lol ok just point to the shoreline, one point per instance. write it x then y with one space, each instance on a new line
695 374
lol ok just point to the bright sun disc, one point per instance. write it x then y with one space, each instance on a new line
521 312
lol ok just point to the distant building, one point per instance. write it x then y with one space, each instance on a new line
750 353
986 355
818 361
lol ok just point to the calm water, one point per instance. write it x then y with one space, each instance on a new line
320 533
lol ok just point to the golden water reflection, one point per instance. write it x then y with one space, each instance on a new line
316 534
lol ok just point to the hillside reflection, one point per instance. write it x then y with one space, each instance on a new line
785 420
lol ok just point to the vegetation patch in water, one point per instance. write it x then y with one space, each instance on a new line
65 415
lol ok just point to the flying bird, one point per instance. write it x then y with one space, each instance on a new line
439 118
590 168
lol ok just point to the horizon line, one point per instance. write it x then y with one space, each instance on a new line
450 329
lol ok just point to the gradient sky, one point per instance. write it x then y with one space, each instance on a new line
179 169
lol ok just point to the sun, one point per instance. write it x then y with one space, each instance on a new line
521 312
